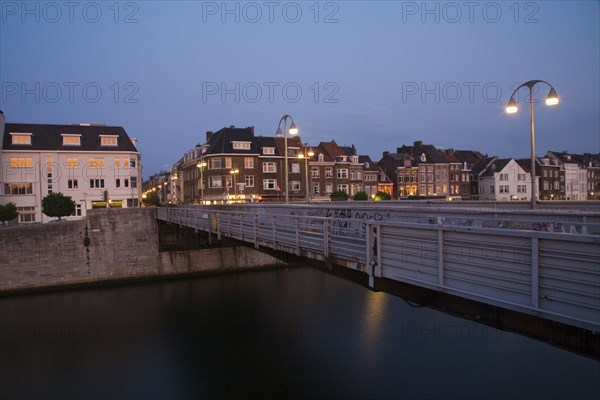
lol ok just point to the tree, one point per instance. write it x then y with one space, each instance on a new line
382 196
339 196
151 200
361 196
58 205
8 212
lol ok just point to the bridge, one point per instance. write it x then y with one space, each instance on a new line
539 262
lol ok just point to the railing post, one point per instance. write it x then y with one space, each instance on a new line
440 256
274 220
535 273
298 252
255 229
326 238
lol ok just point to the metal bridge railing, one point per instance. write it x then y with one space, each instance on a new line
554 275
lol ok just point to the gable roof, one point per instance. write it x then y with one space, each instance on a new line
49 137
221 142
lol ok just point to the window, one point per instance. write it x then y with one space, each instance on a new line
18 188
227 162
108 140
71 140
96 183
314 172
125 182
241 145
269 184
249 181
545 184
77 212
522 177
248 162
503 177
353 175
521 189
96 163
429 177
133 181
72 184
72 163
295 168
545 174
216 163
216 182
21 138
342 173
321 157
132 162
118 182
342 188
295 186
556 185
268 150
316 189
328 188
328 172
21 162
26 214
269 167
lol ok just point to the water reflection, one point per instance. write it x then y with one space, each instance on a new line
295 333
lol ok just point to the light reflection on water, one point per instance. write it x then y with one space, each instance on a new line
291 333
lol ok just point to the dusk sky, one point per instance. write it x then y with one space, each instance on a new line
373 74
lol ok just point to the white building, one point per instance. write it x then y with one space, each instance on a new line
575 174
86 162
505 180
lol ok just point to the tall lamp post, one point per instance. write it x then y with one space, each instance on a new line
292 131
511 108
201 165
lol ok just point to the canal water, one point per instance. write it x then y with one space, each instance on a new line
290 333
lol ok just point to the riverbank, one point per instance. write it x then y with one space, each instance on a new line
109 245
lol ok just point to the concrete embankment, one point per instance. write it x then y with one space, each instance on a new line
109 245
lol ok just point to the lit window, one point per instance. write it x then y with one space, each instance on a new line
21 162
269 167
248 162
241 145
72 163
21 138
71 140
96 163
108 140
268 150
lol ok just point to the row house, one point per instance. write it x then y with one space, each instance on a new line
374 179
550 176
463 175
334 168
592 162
502 180
96 165
234 165
575 174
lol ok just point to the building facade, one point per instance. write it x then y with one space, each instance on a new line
96 165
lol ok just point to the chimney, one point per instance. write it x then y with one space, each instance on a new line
251 129
418 143
398 150
209 135
385 153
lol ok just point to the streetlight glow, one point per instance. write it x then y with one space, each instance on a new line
552 98
512 108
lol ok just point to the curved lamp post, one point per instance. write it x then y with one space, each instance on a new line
234 173
511 108
293 130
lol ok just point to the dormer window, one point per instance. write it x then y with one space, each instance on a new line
108 140
241 145
423 157
23 139
321 157
268 150
71 140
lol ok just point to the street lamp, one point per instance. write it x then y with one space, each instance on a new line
306 156
201 165
511 108
234 172
292 131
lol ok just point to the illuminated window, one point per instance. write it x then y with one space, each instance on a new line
72 163
108 140
96 163
18 188
21 138
268 150
71 140
21 162
241 145
269 167
248 162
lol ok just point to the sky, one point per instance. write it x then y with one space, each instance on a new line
376 74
